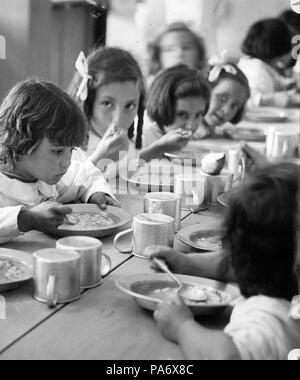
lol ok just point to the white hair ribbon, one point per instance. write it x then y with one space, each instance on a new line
82 67
224 62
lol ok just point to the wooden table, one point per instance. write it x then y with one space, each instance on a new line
104 323
24 314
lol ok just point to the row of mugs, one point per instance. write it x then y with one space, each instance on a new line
61 274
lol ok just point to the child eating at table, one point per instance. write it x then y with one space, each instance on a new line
230 94
268 51
177 101
109 86
40 126
261 249
177 45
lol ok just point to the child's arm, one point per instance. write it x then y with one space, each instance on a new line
9 228
82 181
16 220
177 324
171 142
211 265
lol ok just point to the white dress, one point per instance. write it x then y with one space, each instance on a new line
263 79
79 184
262 329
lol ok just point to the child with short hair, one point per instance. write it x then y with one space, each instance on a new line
40 126
177 45
261 254
268 50
109 86
230 94
177 101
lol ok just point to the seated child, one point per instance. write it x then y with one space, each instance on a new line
40 126
261 254
268 48
230 93
177 101
292 20
177 45
109 87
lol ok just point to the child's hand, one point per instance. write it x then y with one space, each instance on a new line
170 316
175 260
46 217
113 142
254 159
103 200
175 140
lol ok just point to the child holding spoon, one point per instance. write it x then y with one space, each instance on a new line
262 256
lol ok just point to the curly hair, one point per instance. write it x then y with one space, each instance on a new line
110 65
241 78
170 85
154 47
35 109
261 232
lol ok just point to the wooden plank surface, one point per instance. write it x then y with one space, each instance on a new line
104 324
23 312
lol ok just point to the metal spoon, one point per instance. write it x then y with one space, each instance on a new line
198 297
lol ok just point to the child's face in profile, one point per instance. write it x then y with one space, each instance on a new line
227 98
178 48
47 163
189 113
115 103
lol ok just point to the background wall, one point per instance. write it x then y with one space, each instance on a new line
223 23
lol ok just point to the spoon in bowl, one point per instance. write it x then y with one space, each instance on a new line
189 293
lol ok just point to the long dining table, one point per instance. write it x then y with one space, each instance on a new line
105 323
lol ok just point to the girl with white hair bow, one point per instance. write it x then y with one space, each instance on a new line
230 93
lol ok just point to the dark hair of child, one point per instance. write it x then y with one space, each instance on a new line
154 48
292 20
267 40
110 65
241 78
35 109
261 232
178 82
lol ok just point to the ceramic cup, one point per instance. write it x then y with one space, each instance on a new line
164 203
147 230
90 251
192 189
56 276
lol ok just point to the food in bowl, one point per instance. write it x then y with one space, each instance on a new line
192 294
9 271
84 221
211 242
